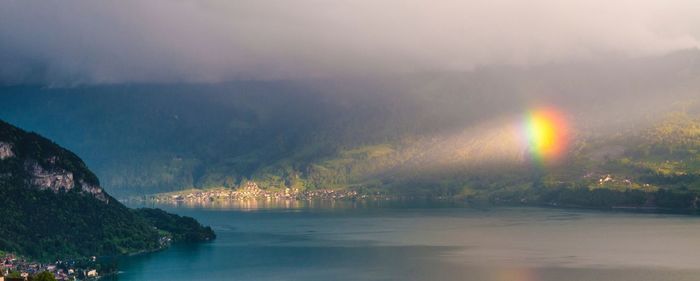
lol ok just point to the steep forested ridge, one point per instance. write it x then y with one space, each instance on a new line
53 207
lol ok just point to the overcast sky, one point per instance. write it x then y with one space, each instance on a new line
68 41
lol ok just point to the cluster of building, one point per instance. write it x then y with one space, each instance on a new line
251 191
603 179
14 268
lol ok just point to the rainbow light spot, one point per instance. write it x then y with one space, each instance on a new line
547 134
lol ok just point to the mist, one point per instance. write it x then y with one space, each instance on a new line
163 95
65 43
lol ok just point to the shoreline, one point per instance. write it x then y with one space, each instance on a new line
395 201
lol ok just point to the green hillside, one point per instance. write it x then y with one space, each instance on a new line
428 134
53 206
653 165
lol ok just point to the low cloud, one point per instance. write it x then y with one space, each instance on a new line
91 42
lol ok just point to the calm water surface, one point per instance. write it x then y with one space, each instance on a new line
419 242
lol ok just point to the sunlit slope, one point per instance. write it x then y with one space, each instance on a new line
494 160
664 154
496 144
435 131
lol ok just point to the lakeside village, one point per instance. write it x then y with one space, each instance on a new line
251 191
15 268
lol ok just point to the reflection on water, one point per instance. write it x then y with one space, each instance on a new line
398 241
257 204
274 203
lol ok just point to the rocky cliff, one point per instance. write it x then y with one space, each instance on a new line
44 165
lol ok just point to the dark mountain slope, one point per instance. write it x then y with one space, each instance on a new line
144 139
52 206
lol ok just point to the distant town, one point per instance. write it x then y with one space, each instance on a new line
16 268
251 191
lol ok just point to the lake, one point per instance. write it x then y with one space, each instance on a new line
346 241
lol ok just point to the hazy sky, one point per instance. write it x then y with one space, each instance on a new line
67 42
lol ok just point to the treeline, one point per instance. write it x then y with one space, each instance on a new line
47 226
608 198
177 227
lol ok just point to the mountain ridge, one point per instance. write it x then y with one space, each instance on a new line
144 139
53 206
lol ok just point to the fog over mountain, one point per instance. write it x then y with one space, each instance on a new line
165 95
437 126
64 43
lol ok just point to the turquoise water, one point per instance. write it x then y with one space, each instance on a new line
346 242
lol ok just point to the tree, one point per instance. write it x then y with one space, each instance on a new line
44 276
14 274
229 182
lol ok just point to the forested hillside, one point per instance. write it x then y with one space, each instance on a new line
652 165
54 208
430 133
